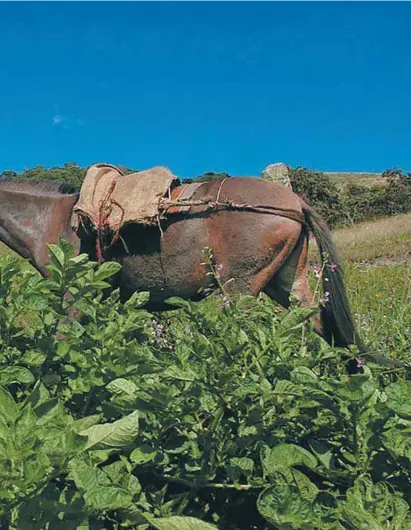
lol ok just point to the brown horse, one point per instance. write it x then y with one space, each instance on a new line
257 251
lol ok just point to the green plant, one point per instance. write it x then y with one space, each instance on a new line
320 191
231 416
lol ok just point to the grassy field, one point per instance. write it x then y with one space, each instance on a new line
377 265
385 240
361 178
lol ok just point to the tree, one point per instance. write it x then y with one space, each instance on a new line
319 191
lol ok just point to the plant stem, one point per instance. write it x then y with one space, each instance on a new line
216 485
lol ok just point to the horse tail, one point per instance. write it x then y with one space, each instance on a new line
336 318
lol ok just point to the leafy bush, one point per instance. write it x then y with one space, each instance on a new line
71 173
360 203
232 416
319 191
353 202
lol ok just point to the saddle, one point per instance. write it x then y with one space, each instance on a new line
108 198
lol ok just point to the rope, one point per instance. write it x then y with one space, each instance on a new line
103 227
219 190
295 215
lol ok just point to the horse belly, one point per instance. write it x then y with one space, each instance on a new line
173 267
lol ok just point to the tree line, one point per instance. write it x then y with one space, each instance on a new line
340 206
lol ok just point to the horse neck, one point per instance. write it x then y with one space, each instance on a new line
28 222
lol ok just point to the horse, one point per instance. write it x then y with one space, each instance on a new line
257 251
260 249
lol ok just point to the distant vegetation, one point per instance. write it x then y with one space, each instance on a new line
356 177
340 204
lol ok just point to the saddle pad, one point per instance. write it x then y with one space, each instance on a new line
107 194
184 194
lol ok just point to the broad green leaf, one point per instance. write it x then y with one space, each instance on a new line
358 388
15 374
38 395
185 374
98 285
26 423
302 374
373 507
178 302
79 260
181 523
287 455
106 270
8 407
295 318
143 454
86 476
287 388
399 398
63 348
105 498
49 411
307 489
323 453
37 301
137 300
57 253
116 435
67 248
34 358
286 509
122 386
243 466
85 423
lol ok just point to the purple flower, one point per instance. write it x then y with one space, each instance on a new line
325 298
360 362
317 272
226 302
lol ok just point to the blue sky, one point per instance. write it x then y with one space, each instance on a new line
206 86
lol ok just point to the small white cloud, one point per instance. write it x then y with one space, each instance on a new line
57 119
65 122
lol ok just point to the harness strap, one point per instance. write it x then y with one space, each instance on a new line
289 213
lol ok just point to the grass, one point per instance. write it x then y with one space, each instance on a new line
386 240
380 298
377 269
361 178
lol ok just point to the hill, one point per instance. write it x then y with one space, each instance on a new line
362 178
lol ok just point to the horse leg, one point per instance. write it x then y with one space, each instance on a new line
292 279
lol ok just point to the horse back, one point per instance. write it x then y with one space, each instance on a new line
239 190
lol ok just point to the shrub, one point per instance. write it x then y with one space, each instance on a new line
361 203
221 415
353 203
70 172
319 191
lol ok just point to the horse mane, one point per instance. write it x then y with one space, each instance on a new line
49 188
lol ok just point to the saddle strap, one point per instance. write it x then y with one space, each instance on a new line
289 213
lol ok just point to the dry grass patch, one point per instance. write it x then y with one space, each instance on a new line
385 240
